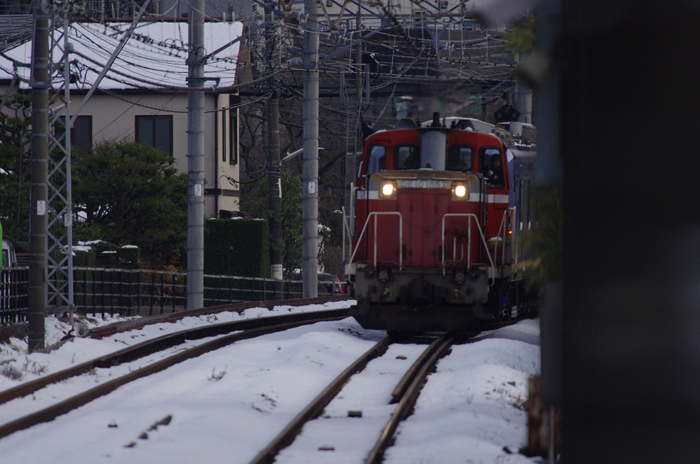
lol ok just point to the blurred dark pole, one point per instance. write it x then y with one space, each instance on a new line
545 76
628 130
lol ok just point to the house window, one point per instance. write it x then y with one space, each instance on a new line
233 133
156 131
81 134
224 119
234 101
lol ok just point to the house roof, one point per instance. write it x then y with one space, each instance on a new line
154 57
14 28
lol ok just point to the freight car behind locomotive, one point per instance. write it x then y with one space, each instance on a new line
440 214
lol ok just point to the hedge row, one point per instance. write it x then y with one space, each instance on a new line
236 247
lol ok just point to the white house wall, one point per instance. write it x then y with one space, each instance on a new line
114 118
227 155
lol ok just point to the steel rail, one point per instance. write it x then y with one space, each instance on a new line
160 343
407 379
315 408
436 350
118 327
406 393
249 329
415 368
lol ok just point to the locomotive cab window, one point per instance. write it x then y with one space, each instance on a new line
492 166
459 158
406 157
377 159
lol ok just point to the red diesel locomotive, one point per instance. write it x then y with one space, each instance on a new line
439 218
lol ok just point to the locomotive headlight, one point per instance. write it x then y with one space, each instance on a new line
388 189
459 191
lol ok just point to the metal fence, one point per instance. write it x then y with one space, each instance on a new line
13 294
143 292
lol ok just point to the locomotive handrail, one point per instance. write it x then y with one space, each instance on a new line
349 221
359 239
469 216
513 236
502 231
503 235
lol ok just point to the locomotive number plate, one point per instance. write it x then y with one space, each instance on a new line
429 184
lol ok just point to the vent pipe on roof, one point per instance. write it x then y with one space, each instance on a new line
436 119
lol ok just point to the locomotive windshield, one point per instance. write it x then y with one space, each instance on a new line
492 167
377 158
459 158
406 157
433 151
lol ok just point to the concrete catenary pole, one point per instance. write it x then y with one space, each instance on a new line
195 158
39 175
273 147
310 174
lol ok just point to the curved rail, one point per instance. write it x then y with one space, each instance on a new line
119 327
250 328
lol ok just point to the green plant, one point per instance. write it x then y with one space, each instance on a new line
544 242
520 39
131 193
254 201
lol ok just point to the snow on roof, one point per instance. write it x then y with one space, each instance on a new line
154 57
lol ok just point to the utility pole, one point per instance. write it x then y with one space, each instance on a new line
273 147
310 174
195 158
39 190
359 137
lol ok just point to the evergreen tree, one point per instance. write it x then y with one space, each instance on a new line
256 204
130 193
15 153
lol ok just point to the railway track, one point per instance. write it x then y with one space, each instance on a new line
404 395
120 327
265 391
224 334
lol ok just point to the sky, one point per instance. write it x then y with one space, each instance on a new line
223 407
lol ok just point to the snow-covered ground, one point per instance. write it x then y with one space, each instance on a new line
223 407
